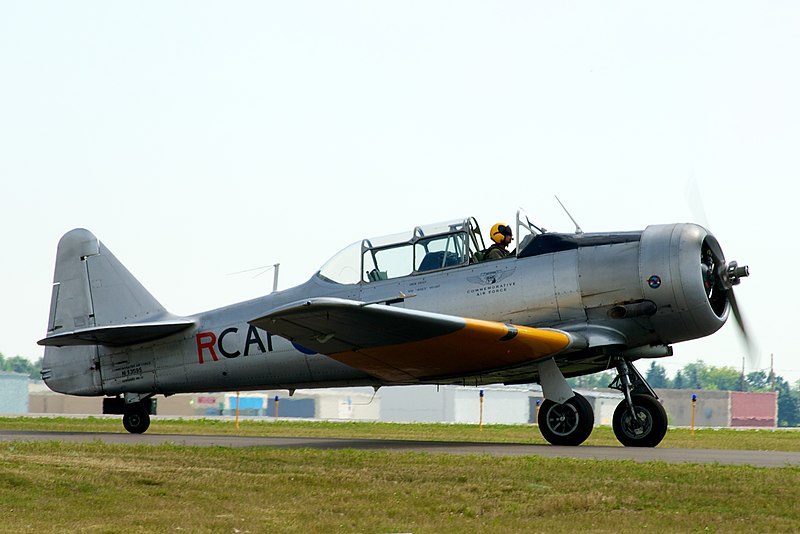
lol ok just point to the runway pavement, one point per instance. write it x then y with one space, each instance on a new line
698 456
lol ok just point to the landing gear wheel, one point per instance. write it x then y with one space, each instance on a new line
136 422
566 424
647 428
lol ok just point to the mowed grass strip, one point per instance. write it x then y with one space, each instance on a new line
704 438
94 487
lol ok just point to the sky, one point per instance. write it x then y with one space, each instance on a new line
198 139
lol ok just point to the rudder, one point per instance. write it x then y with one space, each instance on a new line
91 288
95 301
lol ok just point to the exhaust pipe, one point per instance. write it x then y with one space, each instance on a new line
634 309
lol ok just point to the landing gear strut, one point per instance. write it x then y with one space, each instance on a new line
639 420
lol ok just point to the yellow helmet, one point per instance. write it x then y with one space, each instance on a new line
499 231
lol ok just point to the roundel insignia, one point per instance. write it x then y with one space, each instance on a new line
303 349
654 281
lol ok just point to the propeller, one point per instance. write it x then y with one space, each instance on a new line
719 275
730 275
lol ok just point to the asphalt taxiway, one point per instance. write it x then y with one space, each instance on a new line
637 454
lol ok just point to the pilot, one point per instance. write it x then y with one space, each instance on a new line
502 236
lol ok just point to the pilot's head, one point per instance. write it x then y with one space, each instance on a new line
501 234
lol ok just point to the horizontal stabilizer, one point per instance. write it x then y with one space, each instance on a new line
117 335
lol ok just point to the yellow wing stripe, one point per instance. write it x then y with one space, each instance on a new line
480 346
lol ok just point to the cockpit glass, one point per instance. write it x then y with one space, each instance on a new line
345 266
390 262
441 251
427 248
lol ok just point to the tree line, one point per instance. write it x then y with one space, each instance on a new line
18 364
699 376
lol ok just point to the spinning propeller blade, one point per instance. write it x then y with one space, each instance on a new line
752 355
730 275
727 274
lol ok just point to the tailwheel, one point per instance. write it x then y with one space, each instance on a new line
136 421
646 427
566 424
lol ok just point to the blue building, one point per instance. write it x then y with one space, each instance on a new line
13 393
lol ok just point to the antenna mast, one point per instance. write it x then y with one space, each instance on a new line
578 229
772 372
277 267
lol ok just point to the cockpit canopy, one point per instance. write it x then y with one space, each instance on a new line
427 248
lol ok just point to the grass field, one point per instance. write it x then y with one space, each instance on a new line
57 487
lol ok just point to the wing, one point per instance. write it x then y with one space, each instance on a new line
401 345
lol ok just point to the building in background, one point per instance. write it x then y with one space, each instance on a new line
422 404
13 393
720 408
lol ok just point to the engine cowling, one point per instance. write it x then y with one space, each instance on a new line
682 270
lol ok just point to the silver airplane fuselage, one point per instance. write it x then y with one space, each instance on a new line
632 292
423 308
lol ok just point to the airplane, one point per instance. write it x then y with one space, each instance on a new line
423 307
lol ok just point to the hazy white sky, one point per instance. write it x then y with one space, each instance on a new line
202 138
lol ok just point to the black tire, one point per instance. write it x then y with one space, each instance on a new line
650 428
566 424
136 422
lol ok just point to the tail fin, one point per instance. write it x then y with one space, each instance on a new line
96 300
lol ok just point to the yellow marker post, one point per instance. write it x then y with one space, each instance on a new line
536 419
694 405
480 425
276 406
237 409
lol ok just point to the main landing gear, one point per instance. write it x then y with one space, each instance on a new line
566 424
639 420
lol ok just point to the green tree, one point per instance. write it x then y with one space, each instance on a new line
18 364
36 373
680 381
596 380
657 376
723 378
788 403
698 375
757 381
694 375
